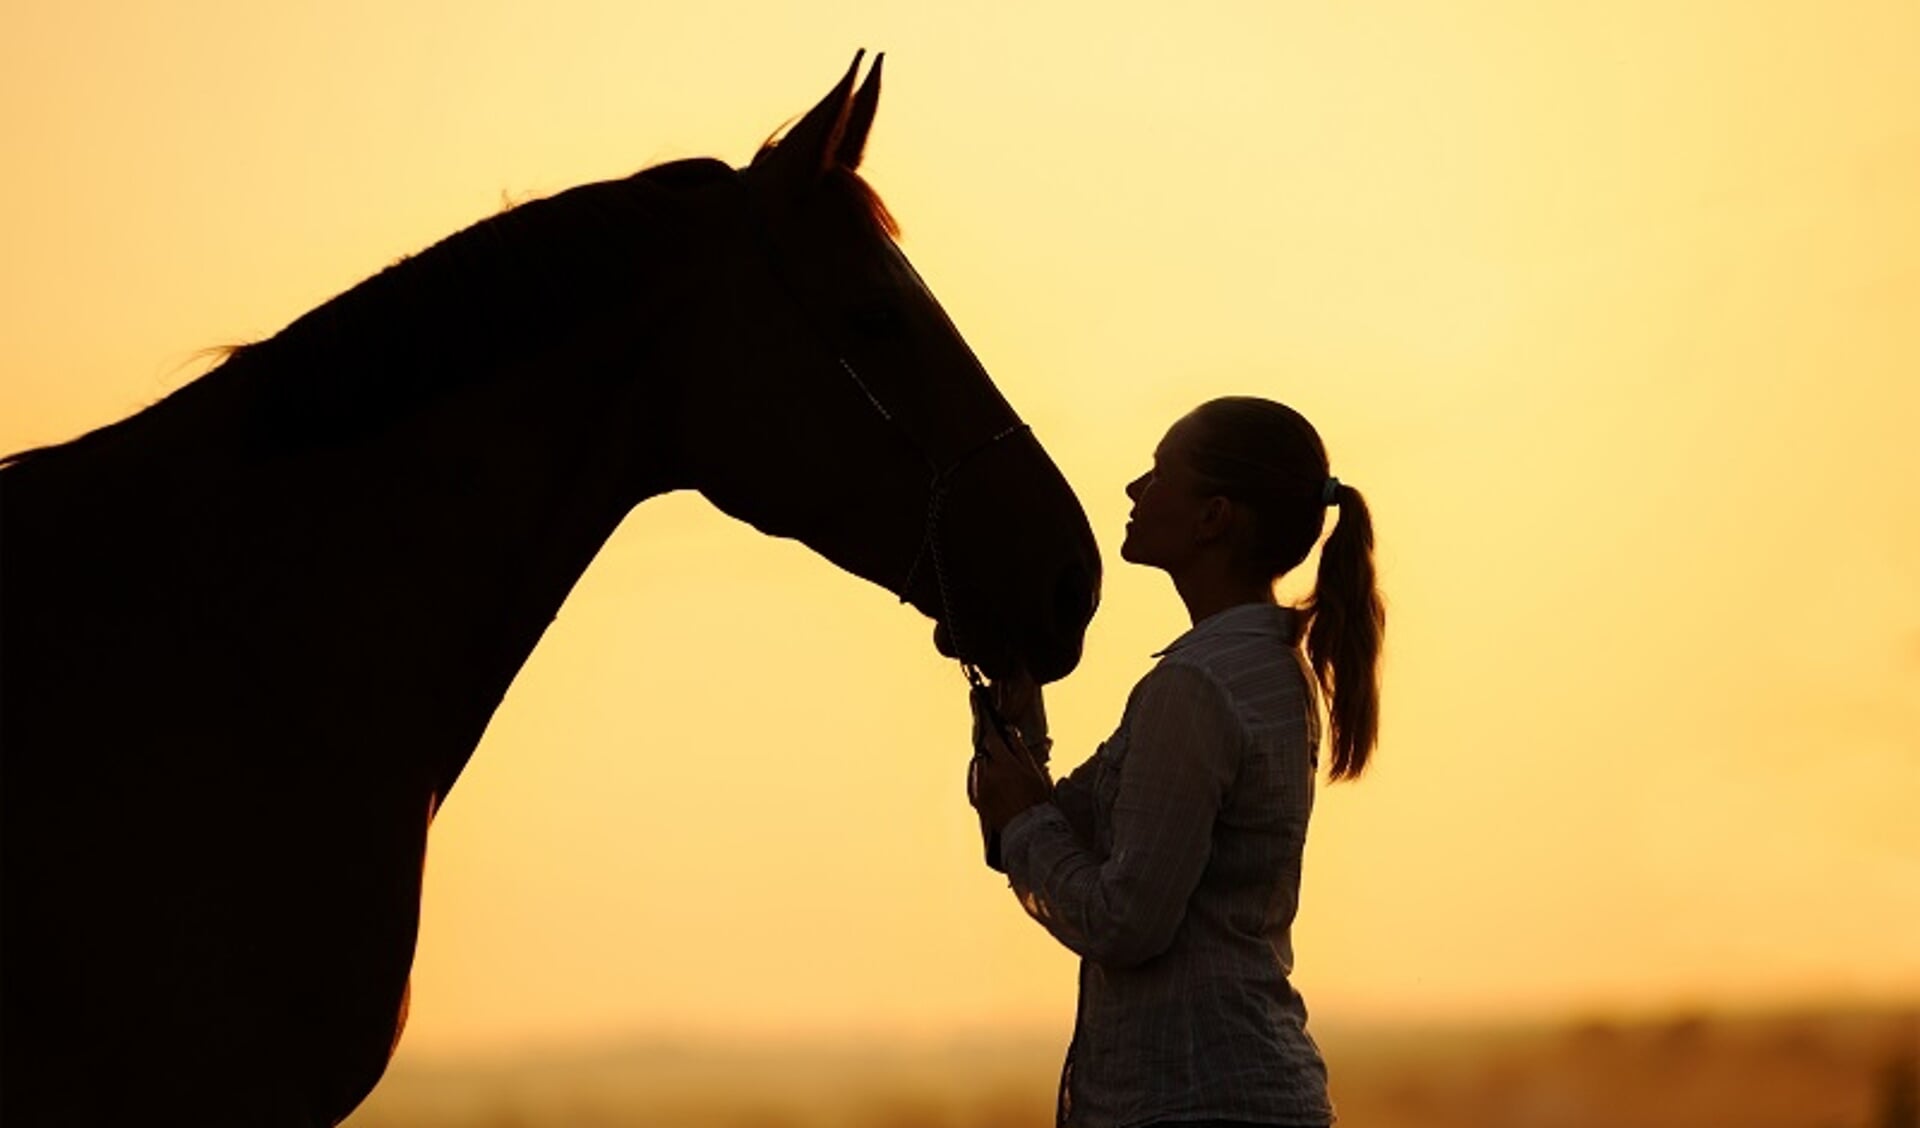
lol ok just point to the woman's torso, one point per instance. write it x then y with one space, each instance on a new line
1212 1027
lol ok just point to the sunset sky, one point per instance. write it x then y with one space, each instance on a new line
1611 310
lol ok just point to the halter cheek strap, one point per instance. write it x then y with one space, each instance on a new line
930 538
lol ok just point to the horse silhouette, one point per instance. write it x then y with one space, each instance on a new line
250 635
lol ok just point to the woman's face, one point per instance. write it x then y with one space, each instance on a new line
1168 502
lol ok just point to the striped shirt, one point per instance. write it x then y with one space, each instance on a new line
1170 862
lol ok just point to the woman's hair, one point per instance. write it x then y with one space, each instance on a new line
1266 457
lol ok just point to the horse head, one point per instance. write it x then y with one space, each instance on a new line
841 407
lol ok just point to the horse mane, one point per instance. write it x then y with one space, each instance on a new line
490 293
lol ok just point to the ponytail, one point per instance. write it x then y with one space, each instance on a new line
1267 457
1343 642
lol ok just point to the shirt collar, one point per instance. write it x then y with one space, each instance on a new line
1241 621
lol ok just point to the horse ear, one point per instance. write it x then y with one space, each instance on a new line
810 147
853 135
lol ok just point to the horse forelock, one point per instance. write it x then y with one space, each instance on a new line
857 191
847 186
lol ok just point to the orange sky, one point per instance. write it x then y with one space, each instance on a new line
1609 309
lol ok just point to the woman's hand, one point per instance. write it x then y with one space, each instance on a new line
1003 781
1019 700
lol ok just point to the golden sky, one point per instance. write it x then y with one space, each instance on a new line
1610 309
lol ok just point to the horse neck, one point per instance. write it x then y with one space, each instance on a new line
498 503
471 525
392 582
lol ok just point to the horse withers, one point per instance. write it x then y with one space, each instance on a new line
250 635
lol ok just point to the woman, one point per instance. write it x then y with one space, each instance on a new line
1170 860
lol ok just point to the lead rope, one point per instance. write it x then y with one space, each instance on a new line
930 547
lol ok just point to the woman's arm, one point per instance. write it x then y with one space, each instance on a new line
1021 700
1074 796
1183 749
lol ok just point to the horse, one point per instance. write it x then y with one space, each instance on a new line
251 633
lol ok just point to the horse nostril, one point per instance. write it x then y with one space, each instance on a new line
1073 599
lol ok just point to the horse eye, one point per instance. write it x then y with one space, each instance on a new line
876 321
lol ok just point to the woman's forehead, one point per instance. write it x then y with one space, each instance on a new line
1179 437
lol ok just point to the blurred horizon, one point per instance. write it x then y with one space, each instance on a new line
1832 1067
1048 1040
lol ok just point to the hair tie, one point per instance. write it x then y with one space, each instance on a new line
1331 494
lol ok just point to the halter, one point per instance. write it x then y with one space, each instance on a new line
940 477
937 489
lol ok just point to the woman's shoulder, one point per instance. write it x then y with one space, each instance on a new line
1260 680
1185 684
1181 673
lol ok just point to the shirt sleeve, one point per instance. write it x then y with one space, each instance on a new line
1183 750
1074 796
